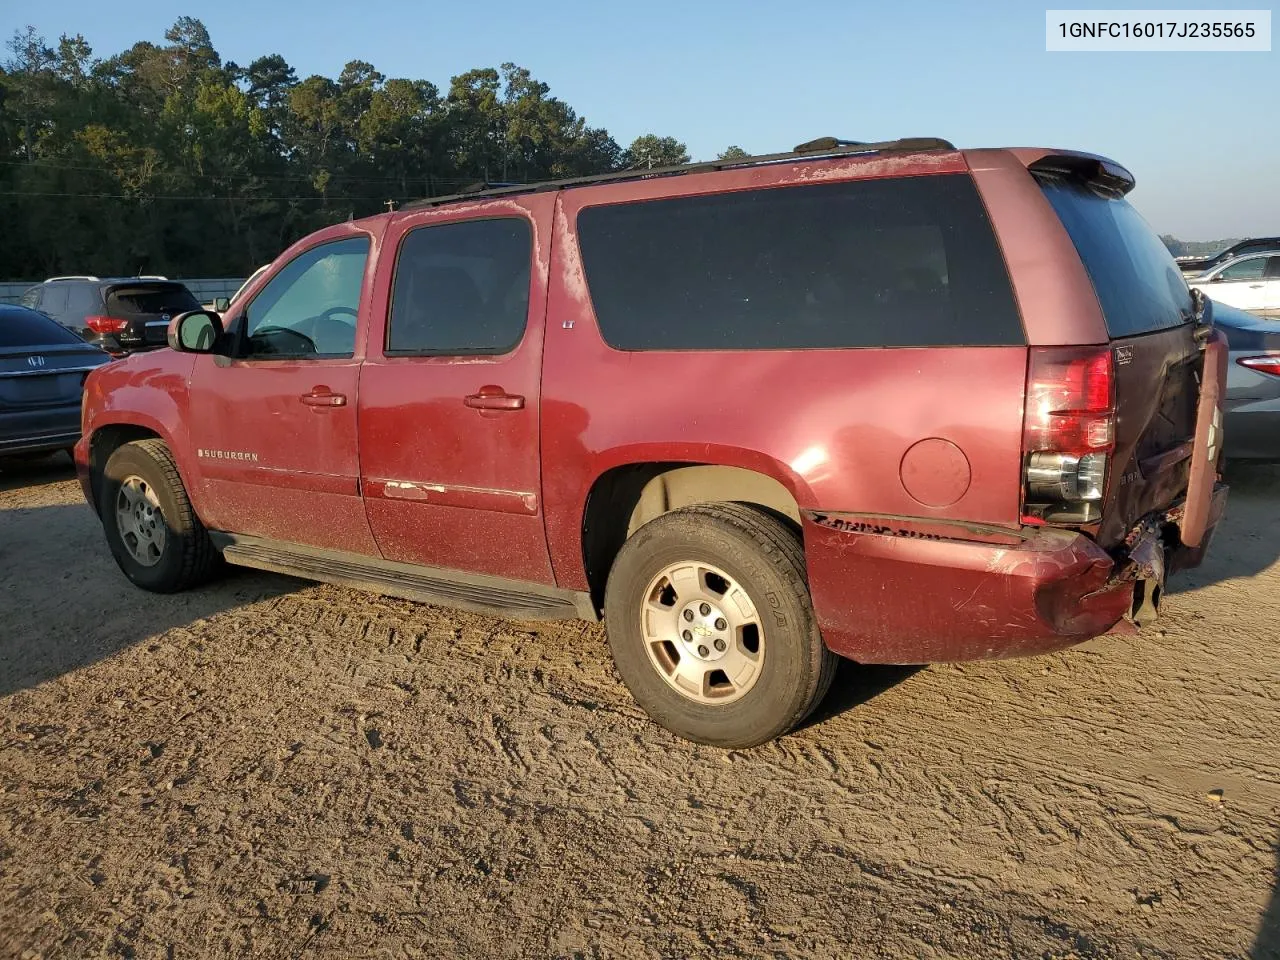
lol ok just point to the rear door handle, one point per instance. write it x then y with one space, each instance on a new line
494 398
321 397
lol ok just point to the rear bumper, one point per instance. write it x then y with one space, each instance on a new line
888 593
30 431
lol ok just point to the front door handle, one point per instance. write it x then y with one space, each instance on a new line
322 397
494 398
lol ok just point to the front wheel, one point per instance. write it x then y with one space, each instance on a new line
152 530
711 625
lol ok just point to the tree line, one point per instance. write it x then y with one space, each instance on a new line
166 159
1195 248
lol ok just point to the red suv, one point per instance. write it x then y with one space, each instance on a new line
896 402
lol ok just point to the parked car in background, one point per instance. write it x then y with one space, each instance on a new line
1252 405
1194 266
1250 282
896 402
43 367
120 314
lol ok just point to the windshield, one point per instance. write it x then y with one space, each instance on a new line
1136 279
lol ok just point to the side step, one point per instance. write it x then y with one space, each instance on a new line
478 593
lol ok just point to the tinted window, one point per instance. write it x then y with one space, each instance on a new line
83 299
869 263
1138 283
20 327
461 288
310 307
54 300
148 299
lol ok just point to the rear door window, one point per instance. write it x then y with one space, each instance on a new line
26 328
1136 279
894 262
150 299
461 288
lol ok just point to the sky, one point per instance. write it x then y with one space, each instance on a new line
1200 131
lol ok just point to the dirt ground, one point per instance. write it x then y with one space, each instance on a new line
267 767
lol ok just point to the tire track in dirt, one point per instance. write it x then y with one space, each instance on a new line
272 767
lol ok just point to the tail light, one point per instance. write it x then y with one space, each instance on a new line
1270 363
105 324
1068 433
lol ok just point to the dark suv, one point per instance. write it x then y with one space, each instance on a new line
120 314
896 402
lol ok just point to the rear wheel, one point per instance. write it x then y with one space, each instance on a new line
711 625
152 530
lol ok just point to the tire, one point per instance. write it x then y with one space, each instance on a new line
705 548
181 555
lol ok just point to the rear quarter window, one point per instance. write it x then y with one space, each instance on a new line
1136 279
905 262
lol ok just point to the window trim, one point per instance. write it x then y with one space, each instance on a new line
394 353
242 335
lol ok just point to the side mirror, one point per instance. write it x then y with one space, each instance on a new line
221 303
196 331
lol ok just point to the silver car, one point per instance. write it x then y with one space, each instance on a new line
1252 405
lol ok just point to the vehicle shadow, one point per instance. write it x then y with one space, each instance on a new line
1267 944
66 604
15 474
854 685
1244 543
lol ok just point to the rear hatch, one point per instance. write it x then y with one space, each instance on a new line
1156 358
147 306
42 364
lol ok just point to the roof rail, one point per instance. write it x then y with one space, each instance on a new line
813 150
55 279
151 276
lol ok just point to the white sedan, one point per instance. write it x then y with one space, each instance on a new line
1251 283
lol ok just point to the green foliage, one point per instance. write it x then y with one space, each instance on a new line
733 153
1195 248
165 159
654 151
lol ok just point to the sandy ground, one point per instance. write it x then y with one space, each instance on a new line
266 767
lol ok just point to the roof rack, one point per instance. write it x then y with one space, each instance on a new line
55 279
151 276
813 150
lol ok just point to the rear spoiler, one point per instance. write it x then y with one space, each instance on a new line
1102 175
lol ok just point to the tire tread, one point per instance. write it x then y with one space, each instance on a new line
199 558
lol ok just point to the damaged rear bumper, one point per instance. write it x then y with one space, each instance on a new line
894 590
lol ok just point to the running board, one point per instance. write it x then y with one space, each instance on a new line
516 599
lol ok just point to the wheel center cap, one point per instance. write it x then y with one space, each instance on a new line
704 631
